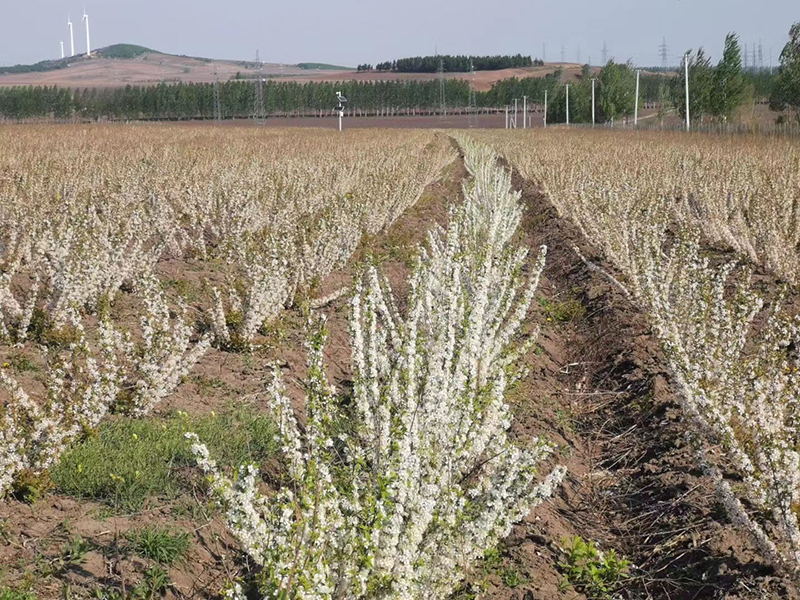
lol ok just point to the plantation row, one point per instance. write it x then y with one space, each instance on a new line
648 201
401 500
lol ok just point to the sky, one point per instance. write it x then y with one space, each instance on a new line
350 32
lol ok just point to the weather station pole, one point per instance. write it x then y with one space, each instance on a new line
341 101
567 104
686 69
593 103
636 107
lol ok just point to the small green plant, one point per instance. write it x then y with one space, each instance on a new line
512 577
566 311
74 551
155 583
10 594
162 545
589 570
20 363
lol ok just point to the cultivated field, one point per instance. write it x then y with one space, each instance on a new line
391 363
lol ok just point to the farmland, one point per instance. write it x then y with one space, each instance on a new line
397 363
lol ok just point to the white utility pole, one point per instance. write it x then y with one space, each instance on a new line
88 43
515 112
636 107
567 104
544 117
593 80
71 37
524 112
62 49
686 68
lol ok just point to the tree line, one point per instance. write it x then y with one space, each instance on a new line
453 64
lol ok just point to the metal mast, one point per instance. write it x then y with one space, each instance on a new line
259 113
442 100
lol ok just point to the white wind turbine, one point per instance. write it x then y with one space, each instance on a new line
71 37
88 45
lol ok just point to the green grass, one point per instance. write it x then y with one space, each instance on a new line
9 594
566 311
123 51
131 461
160 544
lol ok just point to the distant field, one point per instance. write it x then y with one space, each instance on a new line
150 68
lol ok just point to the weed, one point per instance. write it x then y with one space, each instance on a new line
74 551
163 545
9 594
21 363
566 311
132 460
155 582
512 577
597 574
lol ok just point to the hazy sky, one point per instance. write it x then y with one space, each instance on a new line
350 32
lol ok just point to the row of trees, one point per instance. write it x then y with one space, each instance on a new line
786 92
237 99
456 64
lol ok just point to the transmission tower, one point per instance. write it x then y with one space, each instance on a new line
579 54
760 55
562 53
473 108
217 103
755 64
745 57
544 52
259 113
664 49
442 101
605 53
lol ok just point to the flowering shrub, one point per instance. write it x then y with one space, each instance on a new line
738 384
396 492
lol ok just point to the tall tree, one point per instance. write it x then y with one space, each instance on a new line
786 94
701 83
616 91
729 84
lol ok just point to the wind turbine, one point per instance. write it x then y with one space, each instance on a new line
88 45
71 37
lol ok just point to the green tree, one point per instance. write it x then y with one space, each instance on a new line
616 91
701 83
729 85
786 94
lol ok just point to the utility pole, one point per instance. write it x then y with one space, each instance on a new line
636 107
567 104
506 116
515 112
593 104
605 54
544 52
686 68
473 105
544 117
217 103
442 102
259 113
524 112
